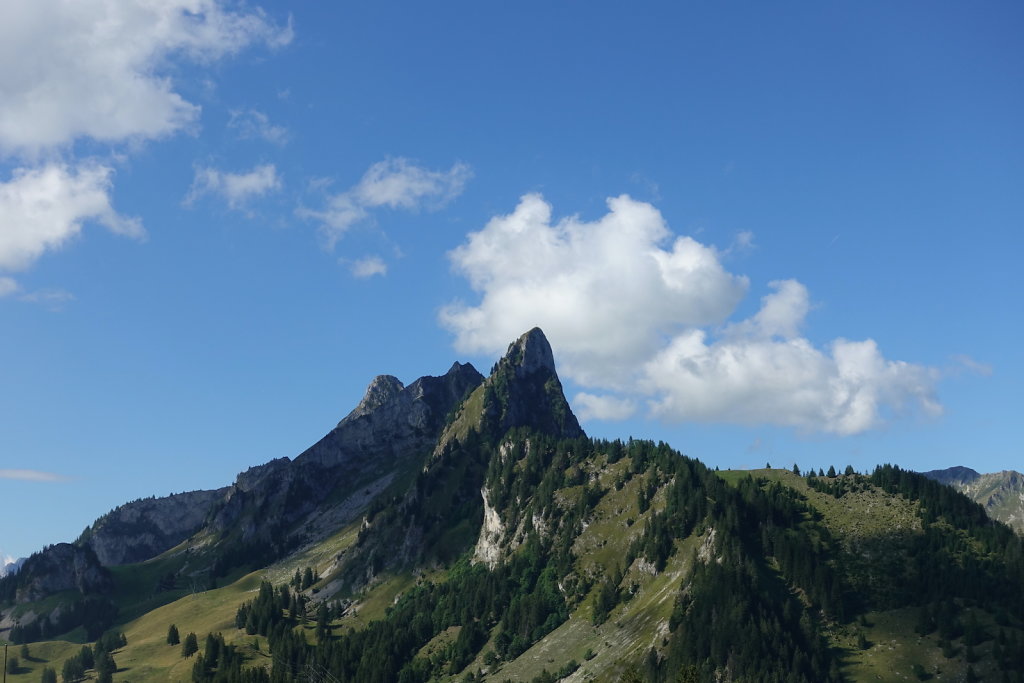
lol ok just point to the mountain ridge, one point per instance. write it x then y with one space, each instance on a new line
470 530
1000 493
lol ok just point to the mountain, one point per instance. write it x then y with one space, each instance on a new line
271 509
1000 493
142 529
466 528
11 566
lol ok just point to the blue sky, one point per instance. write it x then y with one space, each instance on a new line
761 233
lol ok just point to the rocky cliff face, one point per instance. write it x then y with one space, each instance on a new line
1000 493
391 425
393 421
59 568
143 529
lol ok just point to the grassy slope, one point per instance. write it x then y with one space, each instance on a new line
50 653
634 626
895 648
147 656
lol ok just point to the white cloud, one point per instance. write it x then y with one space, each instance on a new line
398 184
100 70
763 371
633 309
43 208
393 183
369 266
32 475
236 188
781 315
592 407
846 390
252 125
8 286
605 292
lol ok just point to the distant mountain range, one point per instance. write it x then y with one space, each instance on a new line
11 566
1000 493
465 528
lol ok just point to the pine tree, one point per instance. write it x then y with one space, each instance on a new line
172 635
307 578
73 670
105 668
85 656
190 646
49 675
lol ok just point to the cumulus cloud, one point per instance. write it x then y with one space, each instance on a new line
43 208
593 407
392 183
368 267
606 292
781 315
846 389
255 125
635 310
31 475
237 189
100 70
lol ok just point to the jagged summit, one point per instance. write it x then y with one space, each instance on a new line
524 390
531 353
382 389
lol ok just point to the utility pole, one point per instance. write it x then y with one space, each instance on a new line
5 663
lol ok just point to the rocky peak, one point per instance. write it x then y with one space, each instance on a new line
1000 493
953 475
524 390
382 389
142 529
531 353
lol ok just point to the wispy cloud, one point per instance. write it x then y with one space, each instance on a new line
368 267
963 362
251 124
237 189
32 475
52 299
393 183
8 286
